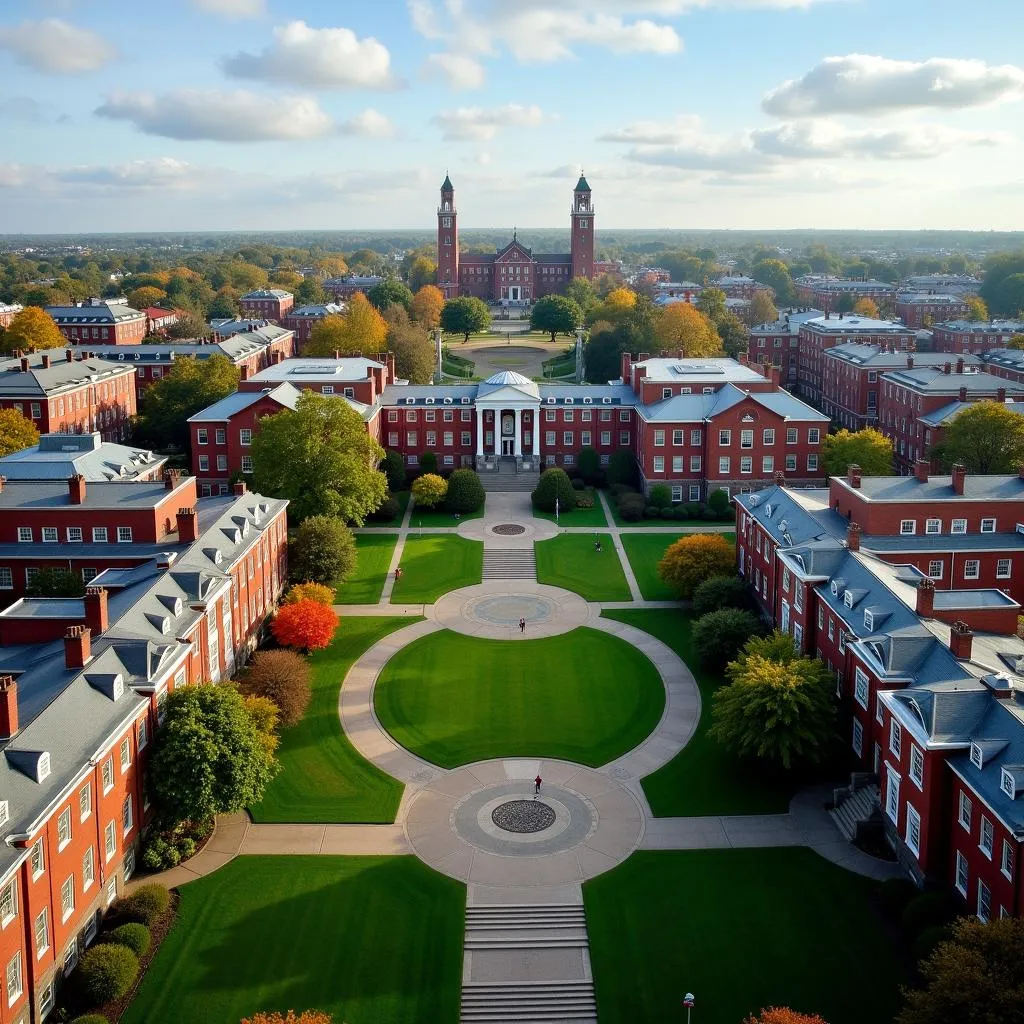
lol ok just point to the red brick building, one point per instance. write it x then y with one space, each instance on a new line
267 303
513 274
303 319
100 321
8 311
974 336
59 456
71 392
342 288
776 343
159 320
825 292
923 310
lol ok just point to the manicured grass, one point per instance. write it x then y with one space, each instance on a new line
435 517
743 930
570 561
322 777
371 940
578 516
702 778
433 564
645 551
364 586
583 696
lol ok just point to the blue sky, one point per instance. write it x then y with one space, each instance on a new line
277 114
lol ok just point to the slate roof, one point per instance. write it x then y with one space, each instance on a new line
874 356
775 505
101 313
698 408
40 381
58 456
983 327
446 185
319 370
909 488
236 347
934 381
30 494
268 293
581 185
619 394
222 411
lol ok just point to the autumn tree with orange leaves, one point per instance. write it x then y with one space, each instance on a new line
305 625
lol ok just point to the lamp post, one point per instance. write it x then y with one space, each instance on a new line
556 509
688 1003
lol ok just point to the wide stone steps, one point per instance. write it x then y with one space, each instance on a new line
858 807
509 480
509 564
528 1002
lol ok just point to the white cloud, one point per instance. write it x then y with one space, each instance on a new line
370 123
161 173
24 109
479 124
55 47
460 71
318 58
655 133
858 83
240 116
233 8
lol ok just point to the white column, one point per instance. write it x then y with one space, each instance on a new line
479 432
536 433
518 446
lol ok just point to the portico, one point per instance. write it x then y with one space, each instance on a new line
507 407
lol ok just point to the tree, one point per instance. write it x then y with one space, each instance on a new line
428 462
422 273
16 432
693 559
1017 341
306 1017
465 315
721 592
225 305
146 296
465 492
778 277
711 302
778 706
621 468
868 448
426 306
588 462
309 591
189 385
411 346
554 486
784 1015
209 757
719 635
977 975
615 306
188 325
320 457
581 291
323 551
844 304
429 490
310 293
361 331
305 625
265 715
56 583
390 292
976 308
31 330
985 438
680 326
866 307
393 467
733 332
762 309
555 314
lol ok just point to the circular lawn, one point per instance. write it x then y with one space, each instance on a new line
584 696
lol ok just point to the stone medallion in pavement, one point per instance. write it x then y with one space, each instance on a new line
508 530
483 823
493 610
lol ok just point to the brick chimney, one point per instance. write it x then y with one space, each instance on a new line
960 365
853 474
959 473
188 525
627 365
961 639
780 478
77 646
97 617
243 371
240 488
925 597
1001 395
921 470
76 489
743 359
948 368
643 357
853 532
24 364
963 394
8 706
46 360
172 477
69 356
3 481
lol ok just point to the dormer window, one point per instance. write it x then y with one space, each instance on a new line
448 401
848 599
976 758
568 401
465 401
118 687
606 400
835 589
5 812
430 401
410 401
1007 785
587 401
869 618
43 767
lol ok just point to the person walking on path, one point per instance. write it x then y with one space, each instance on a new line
522 626
536 786
597 545
398 573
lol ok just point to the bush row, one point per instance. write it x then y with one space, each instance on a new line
658 504
167 849
924 917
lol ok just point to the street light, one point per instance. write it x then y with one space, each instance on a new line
556 509
688 1003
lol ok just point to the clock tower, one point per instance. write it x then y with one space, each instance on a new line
447 242
581 235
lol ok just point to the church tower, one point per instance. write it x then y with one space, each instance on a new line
447 242
581 236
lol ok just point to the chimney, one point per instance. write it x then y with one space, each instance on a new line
921 468
643 357
278 358
1001 395
743 359
910 362
960 365
96 616
853 474
69 356
963 394
8 706
76 489
77 646
853 532
240 488
24 364
959 472
948 368
961 639
337 354
3 481
46 360
172 477
925 597
627 365
780 478
243 371
188 525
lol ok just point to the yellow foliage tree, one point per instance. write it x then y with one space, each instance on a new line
426 306
1017 341
976 308
429 490
310 592
680 326
600 327
147 295
691 560
362 331
866 307
291 1017
332 266
16 432
32 328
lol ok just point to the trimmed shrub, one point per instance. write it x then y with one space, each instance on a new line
721 592
159 854
621 468
652 512
585 499
309 592
589 463
631 507
718 502
660 496
668 512
554 483
323 551
465 492
894 894
145 905
709 514
694 509
135 936
105 973
925 943
680 513
387 511
91 1018
393 467
691 560
429 490
428 462
618 490
719 636
578 483
283 677
929 910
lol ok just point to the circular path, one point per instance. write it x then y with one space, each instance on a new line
493 610
493 531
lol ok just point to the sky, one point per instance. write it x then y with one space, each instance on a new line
329 114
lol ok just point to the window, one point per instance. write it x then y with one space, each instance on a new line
858 737
678 437
666 392
1006 860
895 737
111 890
913 833
246 463
109 840
71 957
74 535
24 534
768 435
42 933
659 439
567 438
659 463
204 463
108 775
694 492
67 898
50 535
892 795
221 435
695 438
222 463
746 439
38 859
15 987
125 752
935 568
694 466
88 868
723 466
985 837
746 464
1003 569
8 903
124 535
245 438
984 901
6 578
791 435
127 818
988 526
908 526
1007 785
933 526
964 815
972 569
202 437
916 765
84 802
677 492
860 687
768 464
813 435
812 463
725 438
143 732
64 828
961 873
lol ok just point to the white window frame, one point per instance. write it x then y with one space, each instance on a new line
64 826
962 871
986 836
913 824
916 771
988 525
892 794
861 682
965 809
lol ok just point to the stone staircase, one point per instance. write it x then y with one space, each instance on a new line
544 932
857 807
506 478
509 564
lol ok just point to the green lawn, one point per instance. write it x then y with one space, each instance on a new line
433 564
322 777
584 696
702 778
435 517
371 940
645 551
570 561
742 930
578 516
374 552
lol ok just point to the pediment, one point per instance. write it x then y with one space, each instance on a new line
511 393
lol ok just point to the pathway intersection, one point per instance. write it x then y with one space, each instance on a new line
522 855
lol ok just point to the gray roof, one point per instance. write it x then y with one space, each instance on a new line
947 711
853 324
932 380
697 371
412 394
699 408
100 313
58 456
1010 358
268 293
236 347
896 543
30 494
938 488
222 411
617 394
316 312
40 381
874 356
320 370
983 326
776 509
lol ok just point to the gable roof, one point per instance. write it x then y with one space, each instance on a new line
220 412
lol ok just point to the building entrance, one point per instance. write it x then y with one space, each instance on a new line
508 446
